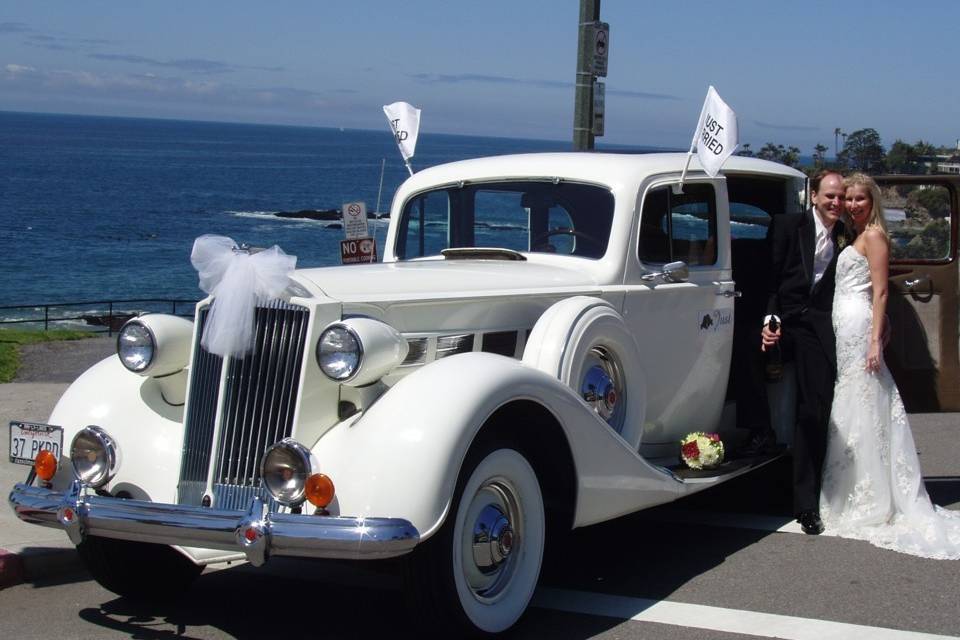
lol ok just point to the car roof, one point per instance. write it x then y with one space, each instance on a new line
604 168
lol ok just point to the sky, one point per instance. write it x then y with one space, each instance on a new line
792 71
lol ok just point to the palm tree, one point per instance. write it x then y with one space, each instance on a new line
818 155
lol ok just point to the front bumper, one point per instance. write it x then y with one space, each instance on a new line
257 533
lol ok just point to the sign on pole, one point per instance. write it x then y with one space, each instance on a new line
601 48
355 220
358 251
359 247
599 92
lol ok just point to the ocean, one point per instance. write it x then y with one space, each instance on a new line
101 208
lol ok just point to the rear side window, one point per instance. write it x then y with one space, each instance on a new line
918 219
679 226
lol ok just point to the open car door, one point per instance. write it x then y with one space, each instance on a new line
922 216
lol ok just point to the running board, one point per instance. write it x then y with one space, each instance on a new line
725 471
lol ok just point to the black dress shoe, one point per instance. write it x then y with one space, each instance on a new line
760 444
810 522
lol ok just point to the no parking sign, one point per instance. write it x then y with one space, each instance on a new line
355 220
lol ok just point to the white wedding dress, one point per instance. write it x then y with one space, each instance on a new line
872 488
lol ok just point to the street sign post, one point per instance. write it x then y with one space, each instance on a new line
601 48
599 93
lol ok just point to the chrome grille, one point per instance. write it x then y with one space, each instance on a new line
259 398
416 352
200 419
260 394
452 345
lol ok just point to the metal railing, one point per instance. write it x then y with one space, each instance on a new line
97 315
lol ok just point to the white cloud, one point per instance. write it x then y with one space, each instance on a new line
15 69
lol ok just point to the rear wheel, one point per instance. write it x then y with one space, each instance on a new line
480 570
138 570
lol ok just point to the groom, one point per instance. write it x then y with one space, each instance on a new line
804 249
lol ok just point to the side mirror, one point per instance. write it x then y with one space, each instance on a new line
672 272
676 272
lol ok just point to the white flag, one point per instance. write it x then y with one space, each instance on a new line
404 121
716 137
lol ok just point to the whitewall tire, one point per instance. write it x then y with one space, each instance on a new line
479 572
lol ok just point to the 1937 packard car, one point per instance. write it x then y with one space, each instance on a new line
542 332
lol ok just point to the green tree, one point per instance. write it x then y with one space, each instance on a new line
745 150
819 155
862 151
901 158
936 200
789 156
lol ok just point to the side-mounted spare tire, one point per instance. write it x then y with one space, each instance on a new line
585 343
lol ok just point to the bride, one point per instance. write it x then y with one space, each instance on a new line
872 488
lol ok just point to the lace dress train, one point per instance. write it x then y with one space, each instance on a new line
872 487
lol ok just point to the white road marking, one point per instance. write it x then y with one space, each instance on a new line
753 623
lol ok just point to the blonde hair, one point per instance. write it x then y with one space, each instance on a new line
877 218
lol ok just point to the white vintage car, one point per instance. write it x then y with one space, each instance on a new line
542 332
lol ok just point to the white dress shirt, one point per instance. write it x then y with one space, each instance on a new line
823 248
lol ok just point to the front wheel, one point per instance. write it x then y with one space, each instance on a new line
138 570
480 570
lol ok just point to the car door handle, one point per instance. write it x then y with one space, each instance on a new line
910 284
730 293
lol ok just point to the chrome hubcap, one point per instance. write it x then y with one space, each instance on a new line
492 539
602 386
491 546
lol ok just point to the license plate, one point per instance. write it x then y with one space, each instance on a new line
27 439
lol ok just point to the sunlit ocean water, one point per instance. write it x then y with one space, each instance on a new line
100 208
96 208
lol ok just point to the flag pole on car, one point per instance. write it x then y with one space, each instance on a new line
715 138
404 121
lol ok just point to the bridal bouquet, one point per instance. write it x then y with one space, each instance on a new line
701 450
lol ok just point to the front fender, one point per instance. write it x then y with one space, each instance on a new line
401 458
132 410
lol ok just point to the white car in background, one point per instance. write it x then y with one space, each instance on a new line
542 332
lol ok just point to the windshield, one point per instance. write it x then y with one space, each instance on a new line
540 217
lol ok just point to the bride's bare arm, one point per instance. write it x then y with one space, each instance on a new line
878 256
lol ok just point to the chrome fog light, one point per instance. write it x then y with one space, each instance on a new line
136 346
285 468
95 456
339 352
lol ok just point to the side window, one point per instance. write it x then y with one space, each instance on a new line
918 219
679 226
748 222
427 225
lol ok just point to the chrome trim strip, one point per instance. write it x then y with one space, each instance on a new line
255 532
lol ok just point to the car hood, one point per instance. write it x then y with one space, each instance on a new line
437 279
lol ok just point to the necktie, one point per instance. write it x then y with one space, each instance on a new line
823 238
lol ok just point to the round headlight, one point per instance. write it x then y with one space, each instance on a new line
339 352
136 346
95 456
285 468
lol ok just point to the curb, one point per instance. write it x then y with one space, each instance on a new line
33 564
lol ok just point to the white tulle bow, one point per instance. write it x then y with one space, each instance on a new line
236 279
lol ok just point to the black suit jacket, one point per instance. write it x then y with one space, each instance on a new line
792 241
